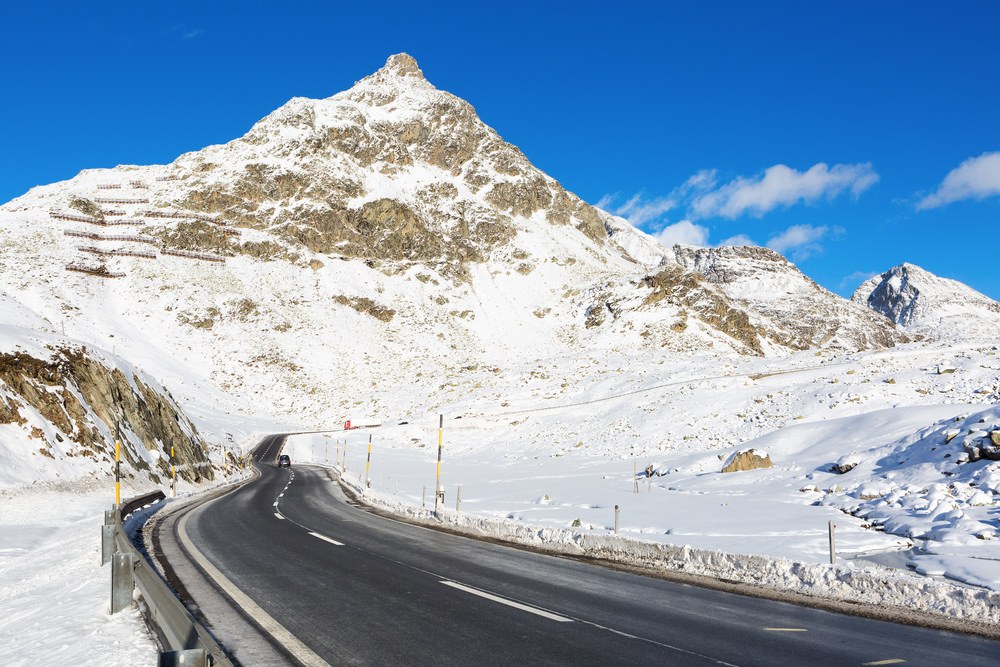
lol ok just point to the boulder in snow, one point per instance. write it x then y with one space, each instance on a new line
750 459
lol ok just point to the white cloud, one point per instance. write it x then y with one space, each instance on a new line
739 239
684 232
801 241
638 210
783 186
976 178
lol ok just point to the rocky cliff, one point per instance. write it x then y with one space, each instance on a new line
67 405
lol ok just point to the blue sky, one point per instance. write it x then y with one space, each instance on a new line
851 136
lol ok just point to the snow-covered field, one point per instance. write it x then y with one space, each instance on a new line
55 597
557 461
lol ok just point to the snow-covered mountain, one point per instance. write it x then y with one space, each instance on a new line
379 238
926 304
788 309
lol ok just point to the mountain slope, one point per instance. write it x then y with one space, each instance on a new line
921 302
62 404
787 308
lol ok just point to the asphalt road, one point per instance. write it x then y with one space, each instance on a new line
338 585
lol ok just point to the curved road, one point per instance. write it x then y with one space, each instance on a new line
339 585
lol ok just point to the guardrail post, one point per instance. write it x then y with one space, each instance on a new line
109 517
194 657
107 543
832 527
122 581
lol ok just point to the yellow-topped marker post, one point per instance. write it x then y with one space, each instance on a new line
368 463
439 493
118 469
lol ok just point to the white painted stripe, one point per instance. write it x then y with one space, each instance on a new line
509 603
890 661
275 504
786 629
285 639
278 515
327 539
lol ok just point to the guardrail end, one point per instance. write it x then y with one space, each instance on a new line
195 657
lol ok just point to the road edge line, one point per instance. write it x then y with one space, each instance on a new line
278 632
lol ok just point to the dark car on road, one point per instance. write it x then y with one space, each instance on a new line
284 461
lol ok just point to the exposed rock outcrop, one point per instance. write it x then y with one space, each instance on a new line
750 459
84 402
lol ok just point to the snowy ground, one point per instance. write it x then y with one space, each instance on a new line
55 598
547 449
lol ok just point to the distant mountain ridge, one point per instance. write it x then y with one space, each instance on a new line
924 303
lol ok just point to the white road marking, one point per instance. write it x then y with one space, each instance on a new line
275 504
327 539
891 661
278 515
786 629
509 603
286 639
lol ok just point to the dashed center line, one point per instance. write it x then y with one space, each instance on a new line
786 629
509 603
327 539
279 516
890 661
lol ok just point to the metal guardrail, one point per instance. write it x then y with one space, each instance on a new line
184 640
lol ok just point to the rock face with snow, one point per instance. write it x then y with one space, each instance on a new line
924 303
786 308
61 409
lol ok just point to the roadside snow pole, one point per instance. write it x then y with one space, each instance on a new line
833 544
423 497
616 519
173 473
458 497
368 465
438 489
635 475
118 466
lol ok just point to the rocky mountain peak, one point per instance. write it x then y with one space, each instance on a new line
919 300
402 64
392 170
